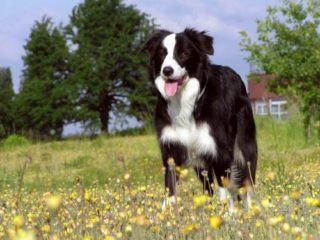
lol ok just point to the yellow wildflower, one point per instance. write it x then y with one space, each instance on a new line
24 235
266 203
53 202
256 209
190 228
18 221
128 229
243 191
109 238
271 176
216 222
30 217
259 223
199 200
286 227
312 202
184 173
140 220
295 195
273 221
87 196
45 228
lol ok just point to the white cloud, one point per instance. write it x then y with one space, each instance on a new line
214 16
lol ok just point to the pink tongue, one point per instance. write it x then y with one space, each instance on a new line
171 88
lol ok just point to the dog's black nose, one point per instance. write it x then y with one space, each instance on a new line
167 71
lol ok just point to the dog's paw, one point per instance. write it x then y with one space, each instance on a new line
169 201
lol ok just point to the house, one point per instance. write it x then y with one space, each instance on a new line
264 102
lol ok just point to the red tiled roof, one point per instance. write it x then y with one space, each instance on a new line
258 87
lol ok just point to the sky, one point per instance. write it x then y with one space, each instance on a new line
16 20
222 19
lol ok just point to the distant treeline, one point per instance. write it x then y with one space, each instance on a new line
80 72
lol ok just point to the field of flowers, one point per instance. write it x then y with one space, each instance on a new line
111 188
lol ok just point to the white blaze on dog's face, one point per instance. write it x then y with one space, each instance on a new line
173 75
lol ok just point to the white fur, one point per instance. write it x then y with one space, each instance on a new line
181 106
184 130
238 156
222 193
168 202
160 86
225 194
231 206
169 43
247 201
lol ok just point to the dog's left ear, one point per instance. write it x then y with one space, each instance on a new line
151 45
202 41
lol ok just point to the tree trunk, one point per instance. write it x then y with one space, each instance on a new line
307 128
58 131
104 118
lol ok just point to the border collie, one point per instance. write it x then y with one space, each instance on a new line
203 116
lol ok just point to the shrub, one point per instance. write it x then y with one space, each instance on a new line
14 141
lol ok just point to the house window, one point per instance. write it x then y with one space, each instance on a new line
261 108
278 108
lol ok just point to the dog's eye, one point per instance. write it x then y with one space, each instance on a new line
185 53
163 52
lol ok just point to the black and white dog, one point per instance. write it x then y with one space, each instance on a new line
203 115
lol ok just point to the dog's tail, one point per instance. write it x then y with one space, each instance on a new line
245 148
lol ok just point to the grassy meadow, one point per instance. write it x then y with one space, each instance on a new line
112 188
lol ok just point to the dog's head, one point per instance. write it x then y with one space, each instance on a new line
175 58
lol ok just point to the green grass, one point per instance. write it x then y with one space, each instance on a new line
104 157
94 160
113 187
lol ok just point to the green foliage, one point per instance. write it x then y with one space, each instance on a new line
15 141
102 72
109 70
44 103
288 46
6 100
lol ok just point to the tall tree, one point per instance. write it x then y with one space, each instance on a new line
6 100
288 46
43 103
109 70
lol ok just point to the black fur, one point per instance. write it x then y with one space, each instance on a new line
224 106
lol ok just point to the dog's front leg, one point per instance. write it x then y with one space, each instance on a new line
171 180
173 155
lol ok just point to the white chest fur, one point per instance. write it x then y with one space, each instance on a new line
184 130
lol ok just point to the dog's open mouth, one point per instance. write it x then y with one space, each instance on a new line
172 86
